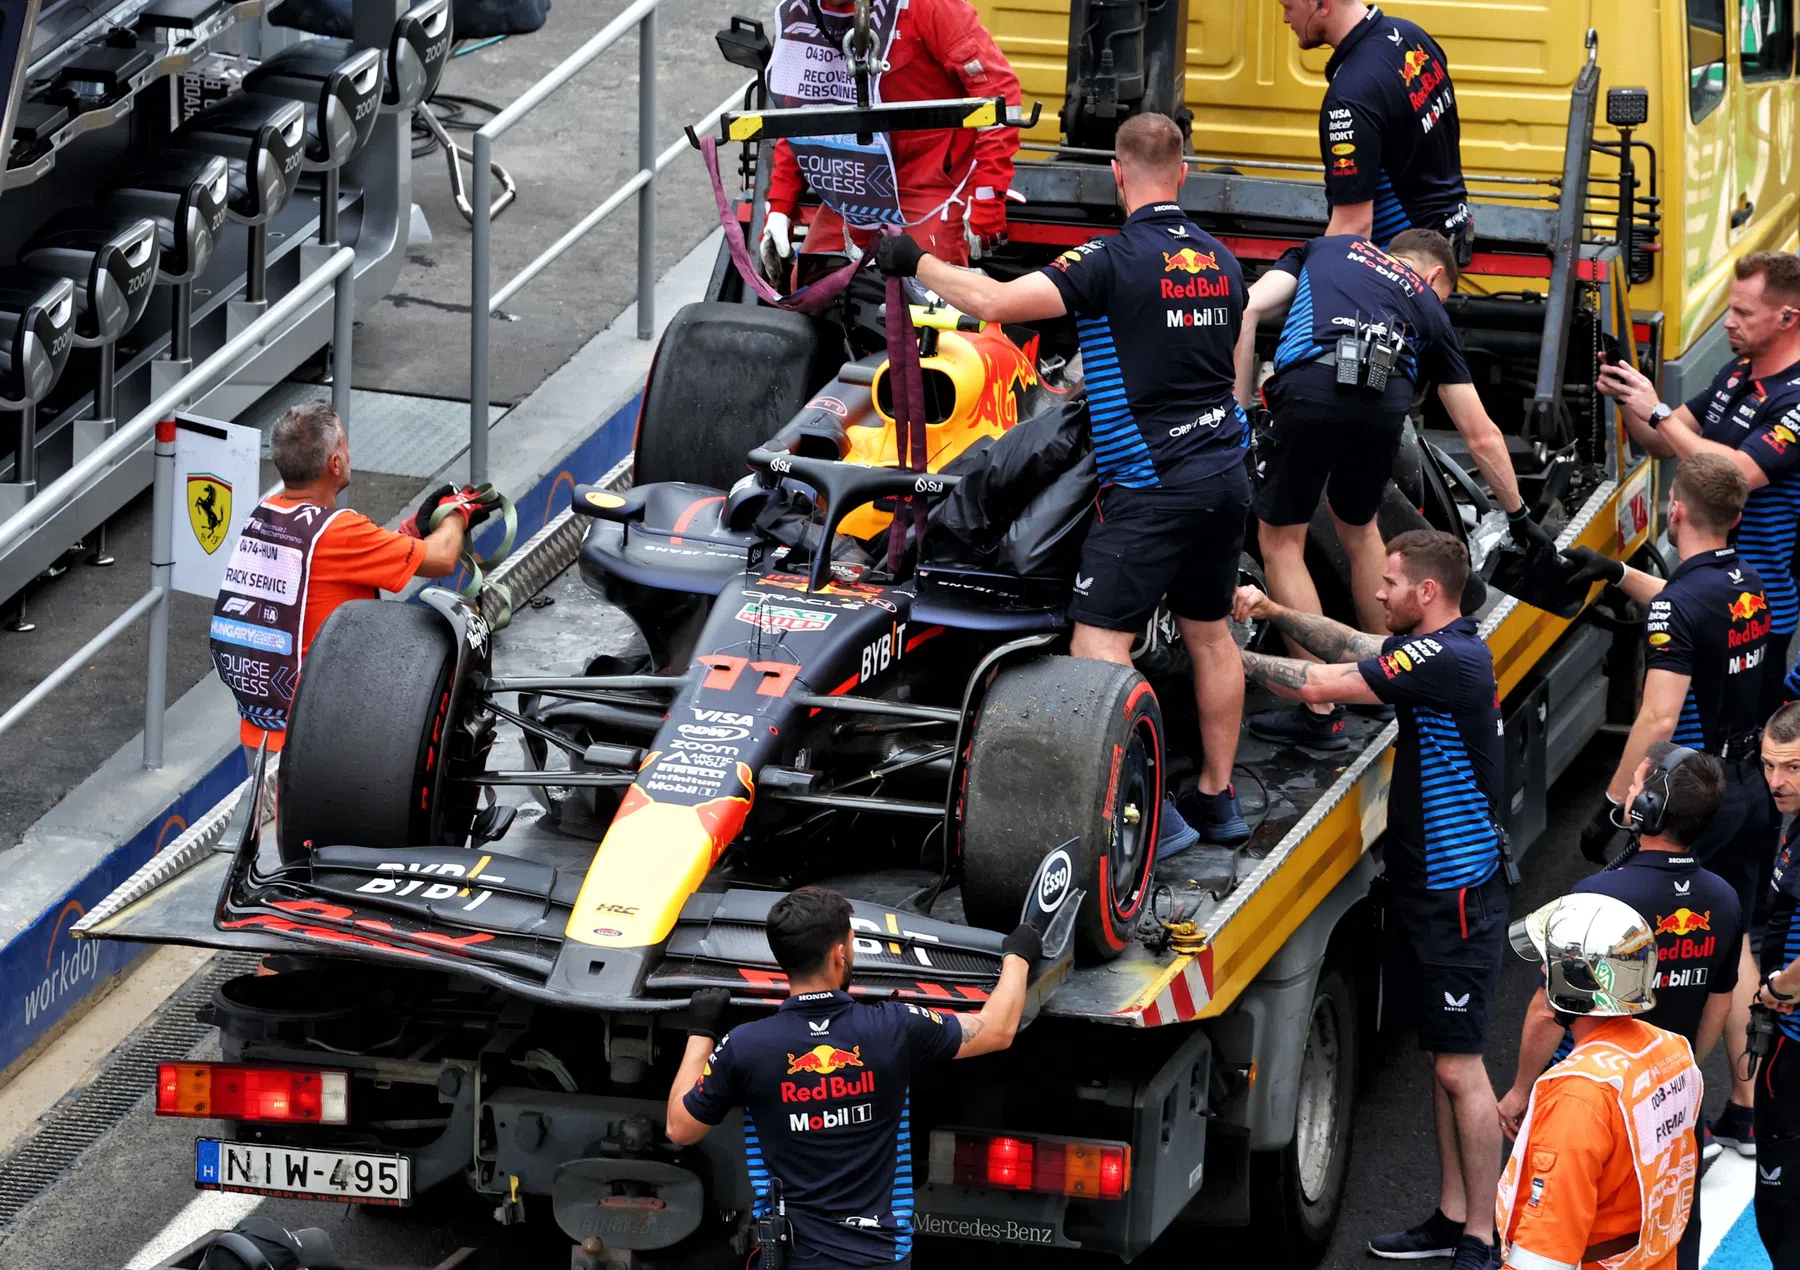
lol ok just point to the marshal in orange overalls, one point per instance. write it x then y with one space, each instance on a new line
1603 1171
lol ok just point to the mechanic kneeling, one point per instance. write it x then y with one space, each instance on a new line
300 557
1157 308
841 1180
1776 1039
1363 326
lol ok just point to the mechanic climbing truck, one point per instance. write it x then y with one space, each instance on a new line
473 997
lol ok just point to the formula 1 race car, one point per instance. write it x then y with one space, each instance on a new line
802 711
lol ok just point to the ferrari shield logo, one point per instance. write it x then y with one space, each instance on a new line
209 509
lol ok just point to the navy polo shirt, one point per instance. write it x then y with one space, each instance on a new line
1761 417
824 1086
1157 308
1345 277
1711 623
1441 832
1388 131
1694 914
1781 937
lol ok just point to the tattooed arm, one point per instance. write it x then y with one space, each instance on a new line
1325 639
1308 681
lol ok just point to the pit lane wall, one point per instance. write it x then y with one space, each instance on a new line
122 816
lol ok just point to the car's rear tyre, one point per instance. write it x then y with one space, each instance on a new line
727 377
1064 747
1297 1192
368 734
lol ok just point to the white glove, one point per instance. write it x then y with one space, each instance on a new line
776 249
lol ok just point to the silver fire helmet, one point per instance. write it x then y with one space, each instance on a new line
1598 953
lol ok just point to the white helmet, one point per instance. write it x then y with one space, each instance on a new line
1599 955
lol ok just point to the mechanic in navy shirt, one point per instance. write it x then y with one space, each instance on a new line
1388 132
1751 415
824 1084
1445 919
1699 931
1157 307
1342 439
1777 1145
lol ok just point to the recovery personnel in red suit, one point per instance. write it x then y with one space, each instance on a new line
948 187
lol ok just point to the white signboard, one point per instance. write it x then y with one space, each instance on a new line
217 483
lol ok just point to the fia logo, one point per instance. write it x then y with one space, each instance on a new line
1456 1005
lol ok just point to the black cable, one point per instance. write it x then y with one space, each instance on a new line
451 111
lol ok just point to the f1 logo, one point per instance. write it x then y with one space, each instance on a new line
239 605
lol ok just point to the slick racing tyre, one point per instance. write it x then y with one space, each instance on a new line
368 733
1064 747
726 379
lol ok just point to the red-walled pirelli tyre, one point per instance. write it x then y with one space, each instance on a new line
1064 747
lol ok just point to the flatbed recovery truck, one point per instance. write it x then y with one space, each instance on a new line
1207 1074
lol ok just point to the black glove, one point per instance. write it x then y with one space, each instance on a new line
1599 834
898 256
419 523
706 1012
1587 565
1530 535
1024 942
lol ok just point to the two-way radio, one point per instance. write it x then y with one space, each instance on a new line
1368 356
773 1237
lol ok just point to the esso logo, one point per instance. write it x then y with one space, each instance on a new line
712 732
1055 880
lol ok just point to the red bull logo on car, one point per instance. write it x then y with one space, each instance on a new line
822 1060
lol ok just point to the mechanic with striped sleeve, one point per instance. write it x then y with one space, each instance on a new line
1389 134
1444 891
1706 641
1750 413
1157 307
825 1084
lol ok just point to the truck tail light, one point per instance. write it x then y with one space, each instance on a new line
228 1091
1078 1167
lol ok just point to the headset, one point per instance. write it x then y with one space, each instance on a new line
1649 811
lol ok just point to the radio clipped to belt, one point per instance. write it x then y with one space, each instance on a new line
774 1238
1368 357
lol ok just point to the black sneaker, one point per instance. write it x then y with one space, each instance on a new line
1472 1254
1299 726
1436 1236
1735 1127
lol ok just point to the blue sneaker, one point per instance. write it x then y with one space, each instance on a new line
1173 834
1218 818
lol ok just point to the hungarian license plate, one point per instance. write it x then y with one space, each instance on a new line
347 1177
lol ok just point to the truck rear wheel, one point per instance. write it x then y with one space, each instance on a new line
360 766
727 377
1297 1192
1064 747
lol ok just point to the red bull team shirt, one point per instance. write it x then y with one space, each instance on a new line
1157 308
824 1084
1711 623
1761 417
1694 913
1389 132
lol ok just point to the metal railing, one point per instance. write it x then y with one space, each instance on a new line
483 299
155 421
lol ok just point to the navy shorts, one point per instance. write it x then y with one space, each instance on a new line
1148 543
1441 954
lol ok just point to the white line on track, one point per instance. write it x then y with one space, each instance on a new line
207 1211
1725 1200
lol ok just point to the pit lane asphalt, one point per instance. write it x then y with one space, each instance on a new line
135 1181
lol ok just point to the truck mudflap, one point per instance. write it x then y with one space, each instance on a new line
641 1205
